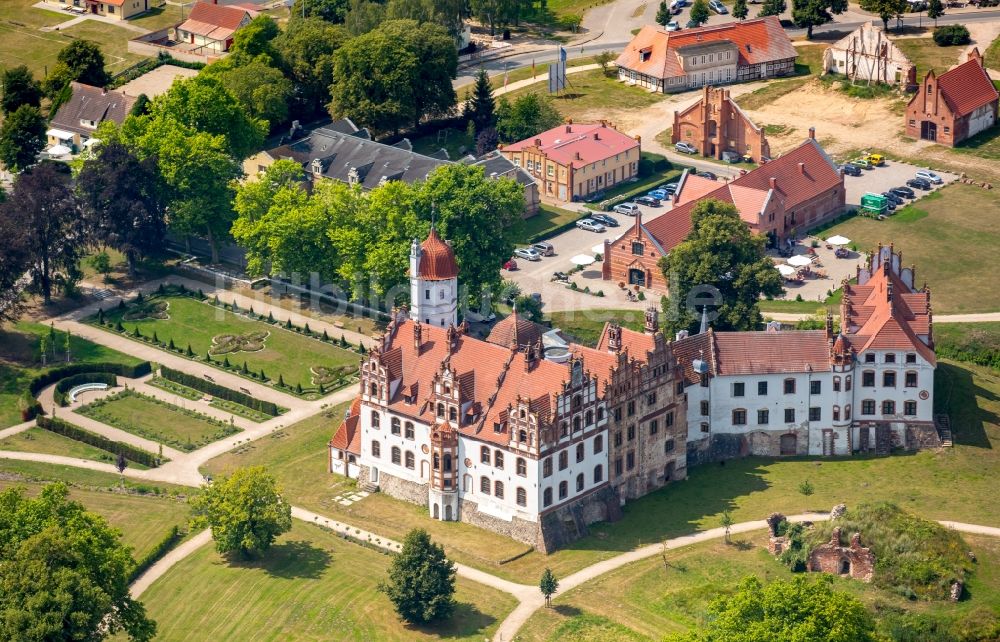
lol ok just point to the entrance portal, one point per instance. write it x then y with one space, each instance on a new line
637 277
928 130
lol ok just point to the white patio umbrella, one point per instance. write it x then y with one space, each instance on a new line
582 259
799 260
598 249
786 270
838 240
58 150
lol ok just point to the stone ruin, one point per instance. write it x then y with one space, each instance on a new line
776 544
854 560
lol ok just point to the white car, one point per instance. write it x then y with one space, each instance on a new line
590 225
628 209
685 148
527 253
930 176
673 25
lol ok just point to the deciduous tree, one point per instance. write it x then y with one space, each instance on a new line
123 198
65 572
20 88
80 60
421 580
308 48
262 90
663 14
22 137
15 260
740 10
885 9
528 115
719 256
245 511
548 585
700 12
772 8
800 609
935 9
807 14
332 11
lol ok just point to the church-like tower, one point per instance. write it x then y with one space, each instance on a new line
433 282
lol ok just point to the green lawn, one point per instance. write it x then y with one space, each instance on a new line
456 141
160 17
991 57
589 93
190 393
926 55
645 600
83 478
549 218
286 353
143 521
585 326
297 456
37 440
20 361
311 585
157 420
832 303
976 342
950 236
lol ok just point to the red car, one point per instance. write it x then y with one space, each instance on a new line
510 265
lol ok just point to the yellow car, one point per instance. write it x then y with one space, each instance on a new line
878 160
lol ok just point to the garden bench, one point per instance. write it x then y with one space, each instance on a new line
86 387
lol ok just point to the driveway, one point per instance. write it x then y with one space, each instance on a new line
881 179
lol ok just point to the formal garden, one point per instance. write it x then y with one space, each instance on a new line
259 347
152 418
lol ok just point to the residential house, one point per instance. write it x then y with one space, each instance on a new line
783 197
955 106
572 161
496 165
739 51
716 124
77 119
113 9
209 28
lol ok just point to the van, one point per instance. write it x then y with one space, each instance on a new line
628 209
731 157
878 160
545 249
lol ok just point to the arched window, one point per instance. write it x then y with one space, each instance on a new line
911 379
563 490
436 461
484 485
447 463
588 418
440 410
376 448
562 428
836 384
376 418
577 402
498 489
836 413
396 455
547 497
847 412
576 423
374 390
598 444
600 413
522 467
847 383
484 455
598 474
409 460
453 414
394 426
580 452
522 497
563 460
547 467
498 459
522 436
409 430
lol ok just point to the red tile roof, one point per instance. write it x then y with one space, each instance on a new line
696 346
967 87
515 331
348 437
578 144
437 259
636 343
739 353
756 41
215 21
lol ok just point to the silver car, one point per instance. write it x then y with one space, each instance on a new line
527 253
590 225
685 148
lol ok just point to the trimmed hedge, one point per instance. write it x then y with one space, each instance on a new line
65 385
555 231
66 429
267 407
55 374
29 406
164 546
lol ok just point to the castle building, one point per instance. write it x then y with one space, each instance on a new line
433 282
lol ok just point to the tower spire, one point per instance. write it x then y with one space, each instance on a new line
704 320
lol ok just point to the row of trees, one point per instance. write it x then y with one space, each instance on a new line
806 14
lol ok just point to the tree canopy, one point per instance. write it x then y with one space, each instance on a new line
772 8
885 9
80 60
15 259
245 511
722 256
528 115
481 106
308 46
19 88
421 580
807 14
22 137
800 609
65 572
663 15
740 9
700 12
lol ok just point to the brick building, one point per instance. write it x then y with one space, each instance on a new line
572 161
954 106
716 124
780 199
672 61
854 560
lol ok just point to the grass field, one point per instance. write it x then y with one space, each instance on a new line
590 92
645 600
950 236
297 456
36 440
808 63
21 42
157 420
991 57
585 326
311 585
286 353
549 217
144 521
926 55
20 362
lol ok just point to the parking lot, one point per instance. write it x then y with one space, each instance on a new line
881 179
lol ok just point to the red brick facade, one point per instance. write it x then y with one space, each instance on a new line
960 103
632 259
715 124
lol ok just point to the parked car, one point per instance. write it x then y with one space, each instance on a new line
893 198
560 276
660 194
669 188
718 7
595 197
929 176
919 183
731 157
692 24
527 253
709 175
673 25
628 209
590 225
685 148
863 163
543 248
903 192
850 169
878 160
604 219
648 201
675 7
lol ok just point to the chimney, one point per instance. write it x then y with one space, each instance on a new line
538 142
812 133
802 168
597 136
578 157
614 338
418 332
773 182
638 138
569 129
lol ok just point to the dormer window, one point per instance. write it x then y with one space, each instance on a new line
645 54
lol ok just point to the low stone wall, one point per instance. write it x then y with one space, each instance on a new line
402 489
569 523
516 529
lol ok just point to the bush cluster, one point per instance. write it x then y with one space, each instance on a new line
214 389
130 452
948 35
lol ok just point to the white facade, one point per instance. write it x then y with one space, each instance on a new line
432 301
867 54
981 119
